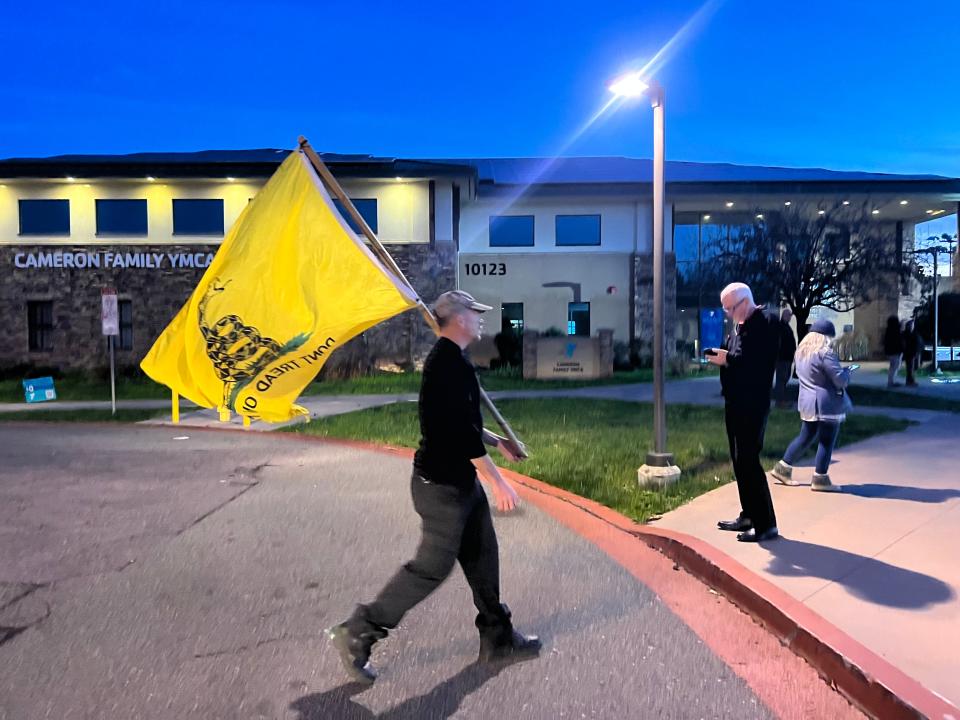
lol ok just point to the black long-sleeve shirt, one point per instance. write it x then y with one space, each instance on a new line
451 426
752 350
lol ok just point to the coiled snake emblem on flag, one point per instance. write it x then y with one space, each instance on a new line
239 352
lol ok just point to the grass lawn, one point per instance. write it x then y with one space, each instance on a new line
593 447
140 387
395 383
81 387
123 415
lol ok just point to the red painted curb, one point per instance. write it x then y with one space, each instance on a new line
871 683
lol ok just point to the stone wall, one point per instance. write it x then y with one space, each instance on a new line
78 344
643 304
157 293
405 340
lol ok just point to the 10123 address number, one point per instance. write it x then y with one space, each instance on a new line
485 268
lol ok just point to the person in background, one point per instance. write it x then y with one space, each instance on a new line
911 351
788 345
823 404
893 348
746 364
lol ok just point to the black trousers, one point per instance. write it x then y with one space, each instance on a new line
745 429
456 527
782 378
911 362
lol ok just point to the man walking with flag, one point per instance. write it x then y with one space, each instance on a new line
455 515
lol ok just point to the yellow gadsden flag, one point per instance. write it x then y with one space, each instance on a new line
289 285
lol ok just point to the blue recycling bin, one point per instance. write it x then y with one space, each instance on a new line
39 390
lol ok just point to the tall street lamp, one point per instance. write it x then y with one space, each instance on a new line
659 468
936 251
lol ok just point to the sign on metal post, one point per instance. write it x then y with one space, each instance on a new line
110 311
110 319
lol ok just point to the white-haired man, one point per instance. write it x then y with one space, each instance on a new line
747 361
455 517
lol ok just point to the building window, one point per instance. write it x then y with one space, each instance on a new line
44 217
686 240
699 238
511 231
125 341
198 217
578 230
121 217
511 318
836 244
578 319
367 207
40 325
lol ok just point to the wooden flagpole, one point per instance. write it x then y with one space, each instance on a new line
381 252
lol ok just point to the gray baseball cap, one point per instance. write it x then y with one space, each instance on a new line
454 301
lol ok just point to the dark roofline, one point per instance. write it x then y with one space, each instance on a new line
261 163
218 163
679 189
811 187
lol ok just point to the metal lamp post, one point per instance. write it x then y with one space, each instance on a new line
935 251
659 467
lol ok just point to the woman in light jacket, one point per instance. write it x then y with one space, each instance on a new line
823 405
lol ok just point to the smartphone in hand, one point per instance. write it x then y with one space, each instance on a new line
710 351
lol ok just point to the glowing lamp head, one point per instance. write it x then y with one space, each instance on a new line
629 85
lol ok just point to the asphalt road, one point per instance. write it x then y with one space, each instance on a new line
145 576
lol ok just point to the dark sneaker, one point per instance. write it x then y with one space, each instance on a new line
518 646
354 652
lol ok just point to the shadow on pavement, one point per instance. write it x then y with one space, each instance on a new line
441 702
900 492
868 579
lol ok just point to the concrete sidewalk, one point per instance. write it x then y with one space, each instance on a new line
874 374
185 405
879 560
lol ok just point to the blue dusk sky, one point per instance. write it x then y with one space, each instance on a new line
842 84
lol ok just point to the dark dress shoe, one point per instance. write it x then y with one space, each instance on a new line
516 647
354 651
752 535
741 523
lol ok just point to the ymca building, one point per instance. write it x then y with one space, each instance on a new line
562 245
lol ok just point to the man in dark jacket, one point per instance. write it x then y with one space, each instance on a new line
911 350
893 348
746 363
455 516
788 346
